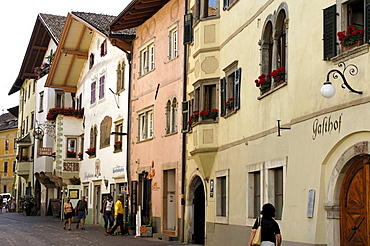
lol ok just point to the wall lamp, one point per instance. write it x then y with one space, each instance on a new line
328 90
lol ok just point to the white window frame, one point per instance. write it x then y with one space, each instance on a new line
147 58
173 37
218 218
267 184
145 124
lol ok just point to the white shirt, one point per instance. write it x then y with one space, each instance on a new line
108 206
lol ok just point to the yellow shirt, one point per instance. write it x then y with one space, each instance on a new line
118 208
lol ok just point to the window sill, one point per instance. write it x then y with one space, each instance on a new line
272 90
349 54
170 134
92 156
145 74
144 140
230 113
117 151
222 219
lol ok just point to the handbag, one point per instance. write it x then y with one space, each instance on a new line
257 236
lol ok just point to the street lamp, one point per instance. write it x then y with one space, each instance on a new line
328 90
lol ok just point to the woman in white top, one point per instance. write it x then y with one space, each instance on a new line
108 212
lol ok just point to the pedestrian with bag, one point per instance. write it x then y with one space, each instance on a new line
108 213
68 213
118 215
266 231
81 212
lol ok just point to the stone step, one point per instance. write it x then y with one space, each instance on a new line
164 237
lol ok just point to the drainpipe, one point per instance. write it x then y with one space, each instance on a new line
183 152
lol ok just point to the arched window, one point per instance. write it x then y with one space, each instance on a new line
280 34
174 114
171 114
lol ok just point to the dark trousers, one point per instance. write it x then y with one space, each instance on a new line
108 216
119 222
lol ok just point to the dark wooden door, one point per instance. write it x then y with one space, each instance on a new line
199 215
354 199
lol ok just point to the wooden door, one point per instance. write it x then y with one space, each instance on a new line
354 202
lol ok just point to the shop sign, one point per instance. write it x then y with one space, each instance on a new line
327 125
118 169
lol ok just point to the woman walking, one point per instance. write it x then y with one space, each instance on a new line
68 213
270 231
108 210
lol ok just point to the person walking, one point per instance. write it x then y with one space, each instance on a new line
68 213
118 215
81 211
108 210
270 231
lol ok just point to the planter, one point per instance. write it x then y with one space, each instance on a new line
146 231
358 43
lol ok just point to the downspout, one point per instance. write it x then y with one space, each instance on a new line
183 151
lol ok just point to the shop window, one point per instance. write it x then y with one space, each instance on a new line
230 89
222 196
147 58
355 13
145 125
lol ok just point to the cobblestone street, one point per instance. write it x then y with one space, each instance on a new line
17 229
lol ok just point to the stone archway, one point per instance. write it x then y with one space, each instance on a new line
337 176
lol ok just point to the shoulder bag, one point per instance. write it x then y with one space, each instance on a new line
257 236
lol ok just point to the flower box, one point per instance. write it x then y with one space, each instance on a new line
54 112
71 154
351 38
91 151
209 114
264 81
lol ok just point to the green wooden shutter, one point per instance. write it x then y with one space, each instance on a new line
330 32
223 96
367 22
185 116
237 74
188 28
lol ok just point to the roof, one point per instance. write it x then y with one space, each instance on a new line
8 121
46 27
73 49
136 13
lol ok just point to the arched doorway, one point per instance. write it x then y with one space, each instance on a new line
199 214
355 204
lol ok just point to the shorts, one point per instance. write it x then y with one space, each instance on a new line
81 215
68 215
267 243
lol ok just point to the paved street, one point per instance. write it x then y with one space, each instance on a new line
17 229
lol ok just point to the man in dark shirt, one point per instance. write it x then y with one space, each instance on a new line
81 210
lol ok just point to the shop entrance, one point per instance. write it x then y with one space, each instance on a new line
355 204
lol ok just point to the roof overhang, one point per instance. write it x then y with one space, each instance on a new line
71 55
136 13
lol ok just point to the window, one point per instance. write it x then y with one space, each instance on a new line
93 137
103 48
171 119
15 143
228 3
147 59
91 60
222 196
14 166
118 129
266 178
93 94
273 51
351 13
205 96
32 120
121 76
71 147
101 87
230 89
6 144
206 8
59 98
79 102
5 167
41 102
173 43
146 125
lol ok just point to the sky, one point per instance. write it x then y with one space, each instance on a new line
17 21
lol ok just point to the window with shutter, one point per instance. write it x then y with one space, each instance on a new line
92 95
230 89
147 58
330 39
188 28
145 120
101 87
185 116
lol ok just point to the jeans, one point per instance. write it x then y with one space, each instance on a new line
108 216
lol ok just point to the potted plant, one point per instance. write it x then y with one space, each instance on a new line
193 118
230 104
118 145
209 114
71 154
278 75
351 38
80 155
263 82
91 151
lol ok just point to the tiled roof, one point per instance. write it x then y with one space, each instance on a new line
8 121
55 24
101 22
